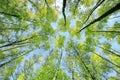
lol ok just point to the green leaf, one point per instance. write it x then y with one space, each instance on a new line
47 45
21 76
118 39
87 3
50 13
59 41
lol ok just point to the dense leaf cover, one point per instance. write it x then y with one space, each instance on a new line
59 39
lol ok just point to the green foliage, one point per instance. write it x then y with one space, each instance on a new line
59 41
73 32
47 45
50 1
47 29
106 46
115 59
50 13
118 39
112 78
21 76
3 55
100 65
8 71
35 43
87 3
48 70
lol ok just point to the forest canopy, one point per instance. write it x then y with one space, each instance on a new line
59 39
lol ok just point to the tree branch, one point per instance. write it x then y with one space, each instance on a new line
110 51
107 31
108 61
9 14
93 78
63 10
1 65
117 7
94 8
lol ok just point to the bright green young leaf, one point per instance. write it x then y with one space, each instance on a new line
59 41
21 76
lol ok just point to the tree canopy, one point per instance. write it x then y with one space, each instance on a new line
59 39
